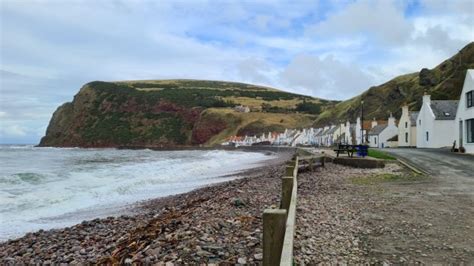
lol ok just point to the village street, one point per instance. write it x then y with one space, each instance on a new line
452 171
406 218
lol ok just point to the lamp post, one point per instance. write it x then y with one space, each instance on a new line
362 121
340 132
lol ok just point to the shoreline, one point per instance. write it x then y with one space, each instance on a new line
125 220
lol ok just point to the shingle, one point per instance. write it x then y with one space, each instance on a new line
444 110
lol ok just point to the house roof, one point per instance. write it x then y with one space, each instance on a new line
332 130
413 116
394 138
377 129
444 110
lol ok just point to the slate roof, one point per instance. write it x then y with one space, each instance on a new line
325 132
332 130
377 129
444 110
413 116
321 132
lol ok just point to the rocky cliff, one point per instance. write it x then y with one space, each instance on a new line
171 113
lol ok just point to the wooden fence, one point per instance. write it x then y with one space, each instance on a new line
279 224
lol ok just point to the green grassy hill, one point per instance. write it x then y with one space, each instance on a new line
444 82
169 113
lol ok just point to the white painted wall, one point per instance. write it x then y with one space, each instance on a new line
405 127
440 132
389 132
348 136
463 113
381 140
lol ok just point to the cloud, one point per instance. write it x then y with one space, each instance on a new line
13 131
382 21
254 71
327 77
329 49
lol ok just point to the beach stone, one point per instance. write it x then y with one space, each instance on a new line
242 260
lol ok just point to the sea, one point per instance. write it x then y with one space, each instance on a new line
45 188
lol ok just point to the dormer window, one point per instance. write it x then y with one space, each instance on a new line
446 114
469 99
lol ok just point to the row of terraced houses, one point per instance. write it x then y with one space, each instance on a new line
439 123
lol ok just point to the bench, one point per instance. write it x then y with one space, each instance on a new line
350 149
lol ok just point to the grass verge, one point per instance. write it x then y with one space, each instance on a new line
379 178
380 155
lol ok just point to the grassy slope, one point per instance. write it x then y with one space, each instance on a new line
171 112
447 80
241 120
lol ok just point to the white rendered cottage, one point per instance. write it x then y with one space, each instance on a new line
407 128
380 134
464 132
436 123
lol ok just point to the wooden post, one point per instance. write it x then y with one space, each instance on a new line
323 159
274 223
296 166
290 168
286 190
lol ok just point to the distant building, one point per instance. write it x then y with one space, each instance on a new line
464 131
380 134
407 128
436 123
242 109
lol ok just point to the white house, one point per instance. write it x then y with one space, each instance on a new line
407 128
464 131
380 134
436 123
349 133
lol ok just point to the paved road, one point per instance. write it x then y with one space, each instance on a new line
439 162
453 172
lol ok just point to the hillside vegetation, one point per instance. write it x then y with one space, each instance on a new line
444 82
169 113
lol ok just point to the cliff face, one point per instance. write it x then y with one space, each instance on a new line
444 82
169 113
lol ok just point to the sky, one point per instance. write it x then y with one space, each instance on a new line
328 49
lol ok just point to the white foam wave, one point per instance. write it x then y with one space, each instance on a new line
39 184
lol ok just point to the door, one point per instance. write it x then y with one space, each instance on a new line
460 134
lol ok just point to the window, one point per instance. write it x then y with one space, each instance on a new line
427 136
470 131
375 139
406 124
419 122
469 99
406 137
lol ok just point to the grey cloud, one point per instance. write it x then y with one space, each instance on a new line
253 70
382 20
439 39
327 78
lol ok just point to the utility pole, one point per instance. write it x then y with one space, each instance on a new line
362 122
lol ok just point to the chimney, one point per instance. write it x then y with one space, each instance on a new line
426 98
391 120
374 123
405 110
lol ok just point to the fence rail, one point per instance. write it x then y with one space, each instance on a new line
279 224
